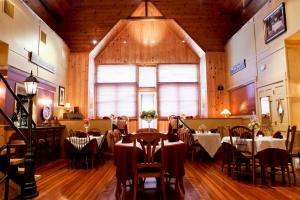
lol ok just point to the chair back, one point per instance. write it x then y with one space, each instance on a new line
183 134
148 130
79 139
240 131
122 126
242 135
94 132
173 124
150 143
290 138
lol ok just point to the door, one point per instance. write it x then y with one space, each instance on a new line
147 101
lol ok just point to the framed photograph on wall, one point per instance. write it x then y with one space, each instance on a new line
61 96
275 23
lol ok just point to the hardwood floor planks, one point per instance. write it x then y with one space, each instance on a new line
203 180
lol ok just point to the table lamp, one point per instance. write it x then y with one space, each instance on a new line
226 113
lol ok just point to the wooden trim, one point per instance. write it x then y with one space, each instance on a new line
146 18
242 85
199 89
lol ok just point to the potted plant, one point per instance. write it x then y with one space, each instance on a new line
148 116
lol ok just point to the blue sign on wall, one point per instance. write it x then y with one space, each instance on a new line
238 67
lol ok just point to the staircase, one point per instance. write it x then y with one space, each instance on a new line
15 166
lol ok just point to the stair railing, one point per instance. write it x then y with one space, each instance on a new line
5 178
28 189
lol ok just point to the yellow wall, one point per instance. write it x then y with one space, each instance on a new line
22 34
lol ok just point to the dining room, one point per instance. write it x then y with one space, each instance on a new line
149 99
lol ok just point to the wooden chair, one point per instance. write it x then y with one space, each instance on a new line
241 155
289 146
94 132
79 140
173 124
101 147
148 130
149 167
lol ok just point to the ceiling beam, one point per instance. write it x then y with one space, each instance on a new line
54 14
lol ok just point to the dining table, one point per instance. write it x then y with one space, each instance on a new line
174 158
269 150
260 143
92 144
211 142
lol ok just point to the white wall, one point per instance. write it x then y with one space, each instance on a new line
22 34
241 46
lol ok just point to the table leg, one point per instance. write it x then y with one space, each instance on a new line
118 189
181 184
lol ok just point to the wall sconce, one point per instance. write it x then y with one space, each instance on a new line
280 110
68 106
220 88
226 113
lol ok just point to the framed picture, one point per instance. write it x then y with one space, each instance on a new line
61 96
275 23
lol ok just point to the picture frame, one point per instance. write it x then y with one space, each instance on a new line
61 95
275 23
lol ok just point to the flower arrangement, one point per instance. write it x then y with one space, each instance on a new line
86 124
254 123
148 115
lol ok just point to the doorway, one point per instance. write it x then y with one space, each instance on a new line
147 101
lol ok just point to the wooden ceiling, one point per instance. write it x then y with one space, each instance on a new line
209 22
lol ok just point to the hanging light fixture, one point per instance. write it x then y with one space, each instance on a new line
31 84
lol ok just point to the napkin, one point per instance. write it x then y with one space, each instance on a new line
246 135
278 135
214 130
260 133
126 138
172 138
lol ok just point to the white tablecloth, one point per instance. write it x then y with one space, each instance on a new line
260 143
80 142
138 145
211 142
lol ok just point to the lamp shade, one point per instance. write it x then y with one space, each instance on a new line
31 84
68 106
225 113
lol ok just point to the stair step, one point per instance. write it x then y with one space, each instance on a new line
17 143
16 161
21 170
12 150
37 177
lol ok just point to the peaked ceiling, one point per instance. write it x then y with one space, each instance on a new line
209 22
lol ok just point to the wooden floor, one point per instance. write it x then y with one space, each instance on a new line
203 180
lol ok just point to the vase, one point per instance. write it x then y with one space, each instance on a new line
86 126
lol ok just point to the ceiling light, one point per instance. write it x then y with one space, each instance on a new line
152 41
183 41
124 41
145 42
94 42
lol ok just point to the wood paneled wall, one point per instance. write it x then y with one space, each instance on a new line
215 74
147 41
77 89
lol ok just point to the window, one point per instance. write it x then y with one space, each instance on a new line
147 77
116 90
178 90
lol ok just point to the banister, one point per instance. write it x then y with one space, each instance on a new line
15 97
